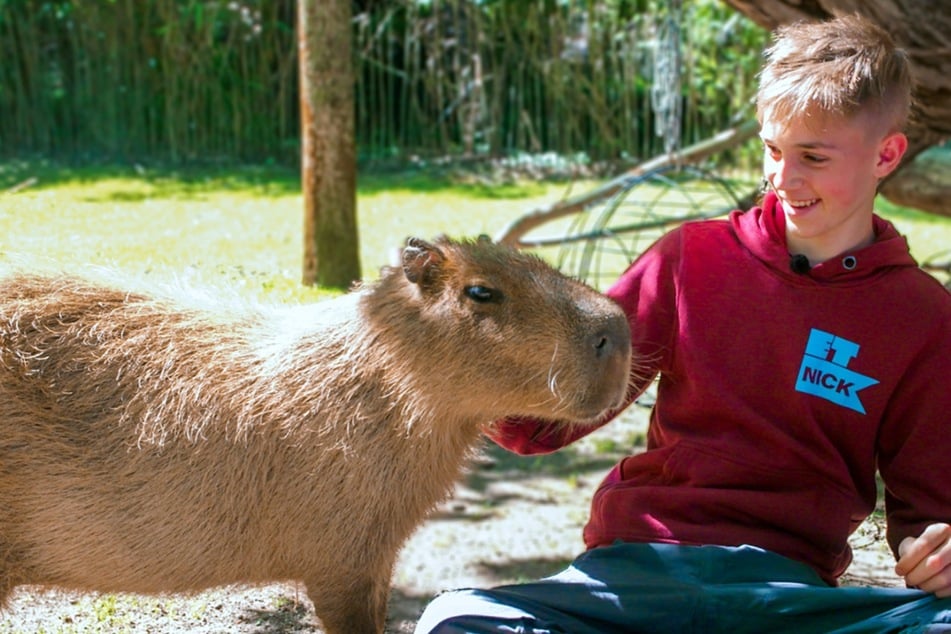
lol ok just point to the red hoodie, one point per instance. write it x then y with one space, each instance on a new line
779 395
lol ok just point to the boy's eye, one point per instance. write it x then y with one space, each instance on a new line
813 158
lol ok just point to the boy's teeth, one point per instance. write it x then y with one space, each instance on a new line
803 203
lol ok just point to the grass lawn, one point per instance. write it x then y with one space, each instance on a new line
243 226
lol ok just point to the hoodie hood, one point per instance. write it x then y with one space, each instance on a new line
762 230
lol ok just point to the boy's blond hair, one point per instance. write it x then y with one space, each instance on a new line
840 67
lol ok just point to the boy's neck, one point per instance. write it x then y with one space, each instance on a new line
819 251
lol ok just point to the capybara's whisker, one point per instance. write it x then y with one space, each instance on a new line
553 385
167 441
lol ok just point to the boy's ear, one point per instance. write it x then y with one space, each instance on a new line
890 151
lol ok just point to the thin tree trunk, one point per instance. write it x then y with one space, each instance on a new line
328 148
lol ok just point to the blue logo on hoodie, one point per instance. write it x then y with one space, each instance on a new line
824 371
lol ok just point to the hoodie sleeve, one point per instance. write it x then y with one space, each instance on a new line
647 294
915 443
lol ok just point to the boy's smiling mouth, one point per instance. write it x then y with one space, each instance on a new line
799 204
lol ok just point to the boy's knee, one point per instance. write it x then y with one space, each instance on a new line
466 612
436 616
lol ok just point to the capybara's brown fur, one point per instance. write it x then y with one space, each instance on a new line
150 445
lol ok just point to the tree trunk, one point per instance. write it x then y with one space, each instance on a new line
923 29
924 184
328 147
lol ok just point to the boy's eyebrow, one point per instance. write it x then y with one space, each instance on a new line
811 145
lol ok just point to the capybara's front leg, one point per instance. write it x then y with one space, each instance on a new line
358 606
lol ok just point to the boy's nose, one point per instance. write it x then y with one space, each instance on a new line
784 175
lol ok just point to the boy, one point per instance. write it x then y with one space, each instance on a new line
799 349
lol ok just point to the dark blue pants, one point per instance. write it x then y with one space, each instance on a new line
633 588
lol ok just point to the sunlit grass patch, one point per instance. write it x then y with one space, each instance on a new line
242 227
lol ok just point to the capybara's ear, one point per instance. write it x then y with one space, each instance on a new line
421 260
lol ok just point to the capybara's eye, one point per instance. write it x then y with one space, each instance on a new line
481 294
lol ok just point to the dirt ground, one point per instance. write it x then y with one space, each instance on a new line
511 519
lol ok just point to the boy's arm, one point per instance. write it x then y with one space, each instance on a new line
647 294
527 437
913 459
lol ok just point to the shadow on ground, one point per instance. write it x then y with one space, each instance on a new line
290 616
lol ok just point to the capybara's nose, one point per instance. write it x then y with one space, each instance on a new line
614 338
602 344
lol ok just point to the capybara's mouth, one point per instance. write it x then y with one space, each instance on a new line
608 389
613 352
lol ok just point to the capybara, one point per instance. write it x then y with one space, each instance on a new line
156 444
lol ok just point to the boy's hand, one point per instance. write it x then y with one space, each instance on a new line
925 561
